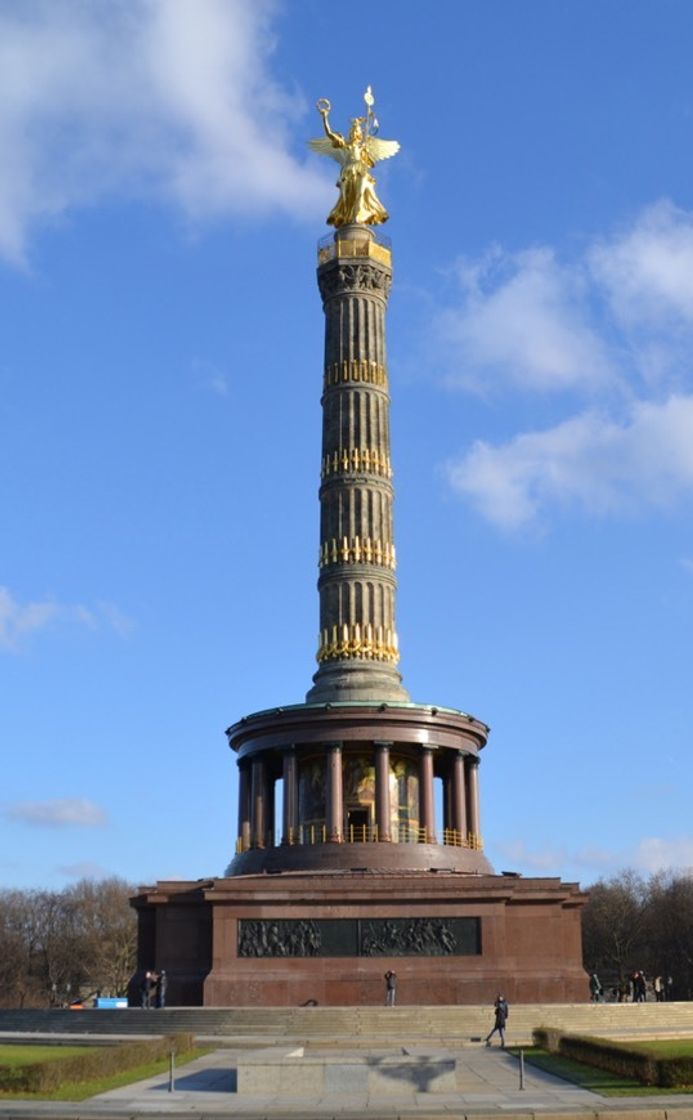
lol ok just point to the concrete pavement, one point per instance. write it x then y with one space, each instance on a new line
487 1082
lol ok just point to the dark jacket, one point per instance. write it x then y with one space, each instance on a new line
501 1012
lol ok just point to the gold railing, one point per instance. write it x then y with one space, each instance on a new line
311 834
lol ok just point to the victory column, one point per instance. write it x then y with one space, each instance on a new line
358 761
359 872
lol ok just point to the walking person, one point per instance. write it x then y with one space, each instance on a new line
640 987
390 988
596 989
501 1017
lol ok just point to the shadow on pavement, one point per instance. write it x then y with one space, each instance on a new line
204 1081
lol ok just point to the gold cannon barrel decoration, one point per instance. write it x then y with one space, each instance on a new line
357 550
369 642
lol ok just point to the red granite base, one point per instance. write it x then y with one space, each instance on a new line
530 939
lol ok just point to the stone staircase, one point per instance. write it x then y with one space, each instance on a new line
358 1027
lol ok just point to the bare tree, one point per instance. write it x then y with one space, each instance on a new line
613 924
107 931
670 929
55 945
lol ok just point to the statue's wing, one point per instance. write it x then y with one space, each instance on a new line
381 149
325 147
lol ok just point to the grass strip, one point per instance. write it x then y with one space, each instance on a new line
663 1047
589 1077
19 1055
82 1090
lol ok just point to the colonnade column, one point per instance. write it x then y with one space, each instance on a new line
458 799
290 803
334 791
382 790
427 817
472 775
447 801
243 805
270 786
258 803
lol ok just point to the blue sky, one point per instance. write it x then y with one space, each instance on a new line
160 378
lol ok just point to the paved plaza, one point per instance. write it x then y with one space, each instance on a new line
487 1082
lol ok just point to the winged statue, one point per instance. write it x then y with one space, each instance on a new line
356 154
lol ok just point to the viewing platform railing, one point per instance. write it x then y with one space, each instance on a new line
366 834
379 248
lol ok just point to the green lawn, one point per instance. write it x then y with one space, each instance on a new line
665 1047
79 1091
599 1080
21 1055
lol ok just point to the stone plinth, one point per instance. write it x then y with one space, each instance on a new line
292 938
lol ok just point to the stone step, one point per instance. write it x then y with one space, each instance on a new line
367 1024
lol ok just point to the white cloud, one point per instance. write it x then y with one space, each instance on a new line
554 860
543 860
115 618
648 856
208 376
57 813
615 325
18 621
522 320
160 97
618 313
599 465
655 854
83 869
647 271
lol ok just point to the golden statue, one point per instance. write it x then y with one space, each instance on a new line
356 154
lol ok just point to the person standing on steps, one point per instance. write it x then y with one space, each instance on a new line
501 1017
390 987
146 989
160 990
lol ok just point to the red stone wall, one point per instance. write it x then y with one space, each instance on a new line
530 931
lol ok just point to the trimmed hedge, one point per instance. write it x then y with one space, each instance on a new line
103 1061
648 1067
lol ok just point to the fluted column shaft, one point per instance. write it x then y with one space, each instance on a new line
358 645
335 795
427 819
382 790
